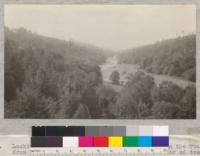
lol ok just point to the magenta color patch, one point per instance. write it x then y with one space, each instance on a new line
85 141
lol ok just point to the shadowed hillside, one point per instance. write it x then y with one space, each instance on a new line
50 78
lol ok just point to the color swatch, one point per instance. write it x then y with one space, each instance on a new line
115 141
70 141
85 141
100 141
130 141
160 141
145 141
100 136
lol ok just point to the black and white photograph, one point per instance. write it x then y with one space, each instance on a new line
100 61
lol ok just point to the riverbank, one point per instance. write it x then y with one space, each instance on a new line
127 69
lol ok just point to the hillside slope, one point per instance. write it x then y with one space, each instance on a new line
50 78
174 57
73 51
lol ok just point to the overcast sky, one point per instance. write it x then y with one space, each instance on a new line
109 26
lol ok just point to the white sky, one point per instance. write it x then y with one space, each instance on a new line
109 26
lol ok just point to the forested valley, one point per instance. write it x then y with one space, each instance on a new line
52 78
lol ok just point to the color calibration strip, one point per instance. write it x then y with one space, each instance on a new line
100 136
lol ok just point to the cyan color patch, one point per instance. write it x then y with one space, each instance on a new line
145 141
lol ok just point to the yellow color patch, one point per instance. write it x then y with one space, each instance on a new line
115 141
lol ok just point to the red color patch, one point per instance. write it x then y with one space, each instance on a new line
100 141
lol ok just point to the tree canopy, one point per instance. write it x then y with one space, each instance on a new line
115 77
174 57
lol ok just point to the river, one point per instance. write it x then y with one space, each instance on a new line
127 69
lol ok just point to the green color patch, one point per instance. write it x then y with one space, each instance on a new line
130 141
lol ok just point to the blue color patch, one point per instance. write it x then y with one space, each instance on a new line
145 141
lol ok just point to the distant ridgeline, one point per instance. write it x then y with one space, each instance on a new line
50 78
174 57
74 52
